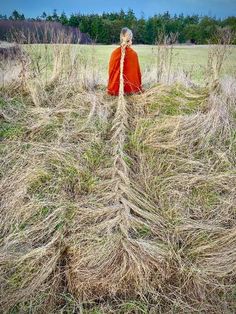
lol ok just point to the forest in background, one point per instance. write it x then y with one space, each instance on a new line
105 28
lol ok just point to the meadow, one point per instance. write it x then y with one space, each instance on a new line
118 204
189 58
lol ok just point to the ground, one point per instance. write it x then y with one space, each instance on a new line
116 205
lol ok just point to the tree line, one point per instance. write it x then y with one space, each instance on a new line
105 28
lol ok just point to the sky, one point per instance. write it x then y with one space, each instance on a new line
33 8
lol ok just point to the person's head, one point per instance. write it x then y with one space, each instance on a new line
126 36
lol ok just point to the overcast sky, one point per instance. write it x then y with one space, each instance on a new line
31 8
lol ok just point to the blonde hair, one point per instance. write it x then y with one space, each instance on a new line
126 32
126 36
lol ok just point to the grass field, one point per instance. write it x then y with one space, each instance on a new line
189 58
121 205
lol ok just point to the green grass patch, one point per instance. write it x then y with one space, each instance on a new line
94 155
14 131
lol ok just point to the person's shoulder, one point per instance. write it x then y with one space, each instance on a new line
132 51
116 51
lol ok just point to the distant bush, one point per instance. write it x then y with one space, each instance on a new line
25 31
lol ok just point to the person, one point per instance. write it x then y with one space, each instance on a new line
132 79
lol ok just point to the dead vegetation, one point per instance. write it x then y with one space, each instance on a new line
116 205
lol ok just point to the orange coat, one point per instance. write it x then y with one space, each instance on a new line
131 72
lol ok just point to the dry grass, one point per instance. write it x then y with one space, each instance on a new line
116 205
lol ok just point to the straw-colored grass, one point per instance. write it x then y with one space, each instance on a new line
116 204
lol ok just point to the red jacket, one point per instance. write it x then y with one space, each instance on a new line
131 72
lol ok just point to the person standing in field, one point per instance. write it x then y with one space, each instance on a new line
132 79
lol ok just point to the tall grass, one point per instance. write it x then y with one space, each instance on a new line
115 205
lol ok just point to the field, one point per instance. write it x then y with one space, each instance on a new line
192 59
118 204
